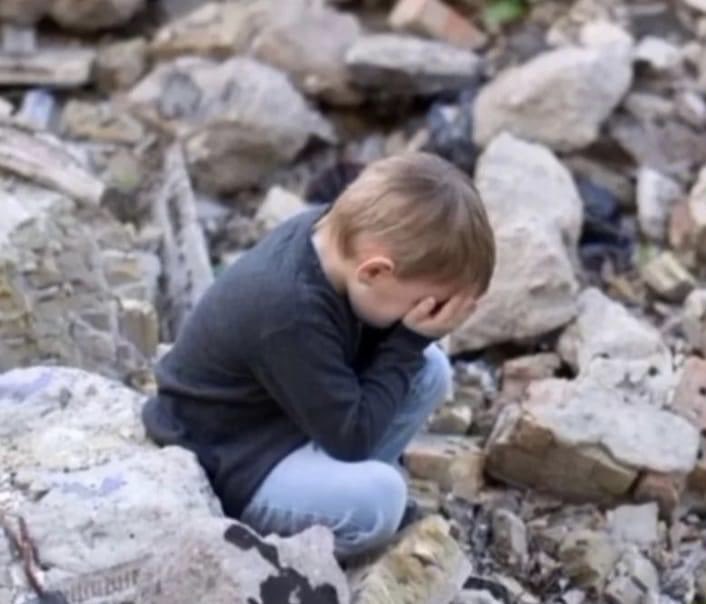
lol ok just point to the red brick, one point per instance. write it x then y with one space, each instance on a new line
435 19
690 398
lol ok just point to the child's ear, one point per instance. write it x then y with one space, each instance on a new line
374 268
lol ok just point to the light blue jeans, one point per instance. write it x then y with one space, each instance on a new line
361 502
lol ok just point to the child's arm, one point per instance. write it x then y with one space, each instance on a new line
305 371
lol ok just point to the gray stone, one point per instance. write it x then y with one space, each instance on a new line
100 122
93 15
121 64
667 277
588 557
55 68
635 581
694 320
531 297
238 119
308 41
659 54
637 524
279 205
510 539
656 196
562 97
23 12
426 566
392 64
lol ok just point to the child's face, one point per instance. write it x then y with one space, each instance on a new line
384 299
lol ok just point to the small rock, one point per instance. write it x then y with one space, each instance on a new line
279 205
120 65
691 107
38 109
452 419
646 106
690 398
510 539
520 372
455 463
309 41
434 18
100 122
138 323
635 524
659 54
636 582
589 557
426 566
681 228
668 278
656 195
426 494
697 213
665 489
530 298
404 65
562 97
699 5
694 320
94 15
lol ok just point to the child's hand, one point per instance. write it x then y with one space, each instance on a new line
429 320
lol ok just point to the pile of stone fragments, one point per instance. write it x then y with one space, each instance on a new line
144 145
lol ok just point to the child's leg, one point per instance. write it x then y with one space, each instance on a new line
362 502
429 390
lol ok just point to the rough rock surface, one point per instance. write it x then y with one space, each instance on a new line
535 210
562 97
237 120
92 15
223 562
393 64
426 566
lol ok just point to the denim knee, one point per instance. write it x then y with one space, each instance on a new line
435 380
376 509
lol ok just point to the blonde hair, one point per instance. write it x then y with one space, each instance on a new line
426 212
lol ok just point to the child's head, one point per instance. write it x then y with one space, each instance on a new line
410 227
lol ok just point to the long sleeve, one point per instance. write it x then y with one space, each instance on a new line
304 369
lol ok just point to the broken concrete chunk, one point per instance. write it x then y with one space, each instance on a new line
121 64
237 120
279 206
636 524
426 566
589 557
560 98
668 278
455 463
534 288
583 441
434 18
220 561
44 160
392 64
93 15
694 320
656 195
56 68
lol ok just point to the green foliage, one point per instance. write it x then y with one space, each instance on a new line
501 12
